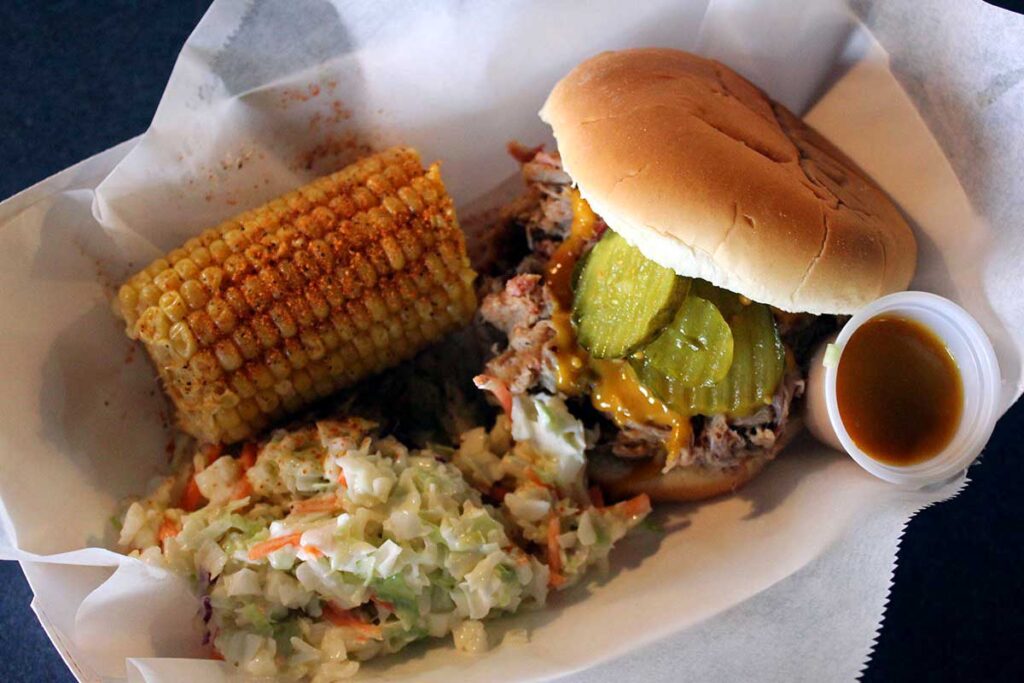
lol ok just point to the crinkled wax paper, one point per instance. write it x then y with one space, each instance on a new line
786 580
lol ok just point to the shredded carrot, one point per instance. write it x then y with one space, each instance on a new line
534 478
248 457
596 497
215 654
264 548
343 617
168 529
342 481
634 507
313 550
555 578
498 388
504 397
192 499
385 604
318 504
637 506
211 452
243 489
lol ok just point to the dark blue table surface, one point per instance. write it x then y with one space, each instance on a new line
78 76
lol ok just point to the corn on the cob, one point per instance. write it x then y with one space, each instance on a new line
304 295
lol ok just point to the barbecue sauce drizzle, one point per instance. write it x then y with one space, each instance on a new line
614 388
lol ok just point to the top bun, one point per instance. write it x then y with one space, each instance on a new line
706 175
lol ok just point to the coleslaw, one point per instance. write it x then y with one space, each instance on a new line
328 545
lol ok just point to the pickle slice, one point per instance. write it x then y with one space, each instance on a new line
622 299
758 361
695 349
728 303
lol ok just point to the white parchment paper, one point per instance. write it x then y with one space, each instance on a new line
785 581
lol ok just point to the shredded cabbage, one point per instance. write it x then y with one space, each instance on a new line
832 354
544 423
336 546
470 636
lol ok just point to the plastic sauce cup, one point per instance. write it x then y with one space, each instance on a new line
979 373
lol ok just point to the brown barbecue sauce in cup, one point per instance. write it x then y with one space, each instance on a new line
910 389
898 390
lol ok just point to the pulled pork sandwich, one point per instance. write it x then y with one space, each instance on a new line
685 248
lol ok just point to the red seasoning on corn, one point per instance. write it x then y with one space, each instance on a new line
302 296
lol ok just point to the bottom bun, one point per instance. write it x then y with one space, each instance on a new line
623 478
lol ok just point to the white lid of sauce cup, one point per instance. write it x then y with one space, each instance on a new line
979 372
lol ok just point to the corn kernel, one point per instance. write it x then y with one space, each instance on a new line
153 325
393 252
227 418
219 251
290 276
201 257
194 294
236 267
345 327
246 342
363 198
283 320
298 203
212 277
261 376
328 336
236 300
203 327
266 331
411 199
322 255
317 303
301 312
186 269
228 356
235 239
248 410
183 343
173 306
242 385
127 299
295 354
278 365
204 366
364 347
267 400
303 384
313 343
256 295
157 267
306 265
222 315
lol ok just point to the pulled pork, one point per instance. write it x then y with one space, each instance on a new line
520 309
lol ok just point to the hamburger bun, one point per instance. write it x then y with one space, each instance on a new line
624 478
706 175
